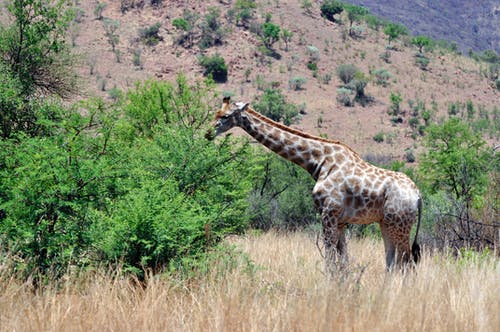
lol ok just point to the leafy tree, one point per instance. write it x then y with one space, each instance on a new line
270 34
215 66
393 31
330 8
280 194
354 14
421 42
286 36
457 163
33 48
273 105
396 100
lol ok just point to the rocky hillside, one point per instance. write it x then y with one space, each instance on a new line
448 83
470 24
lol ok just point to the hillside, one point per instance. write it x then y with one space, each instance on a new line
448 80
471 25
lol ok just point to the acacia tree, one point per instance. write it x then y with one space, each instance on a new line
458 163
393 31
34 61
421 42
354 14
34 46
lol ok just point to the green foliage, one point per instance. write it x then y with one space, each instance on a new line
344 96
244 11
99 9
379 137
180 23
150 35
421 42
396 100
133 183
382 76
212 32
354 14
346 72
330 8
393 31
273 105
286 36
457 160
280 196
270 34
110 30
297 83
33 48
215 66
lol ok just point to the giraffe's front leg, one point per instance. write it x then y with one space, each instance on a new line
334 241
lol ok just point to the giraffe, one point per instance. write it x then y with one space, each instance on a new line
347 189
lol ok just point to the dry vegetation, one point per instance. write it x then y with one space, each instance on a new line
281 288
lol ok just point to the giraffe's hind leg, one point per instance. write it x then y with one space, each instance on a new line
396 237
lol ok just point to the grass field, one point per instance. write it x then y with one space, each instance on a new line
281 287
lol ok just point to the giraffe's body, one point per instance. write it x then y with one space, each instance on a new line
347 189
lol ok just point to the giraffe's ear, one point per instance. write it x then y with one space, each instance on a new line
226 100
242 106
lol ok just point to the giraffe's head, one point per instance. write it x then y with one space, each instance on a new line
225 118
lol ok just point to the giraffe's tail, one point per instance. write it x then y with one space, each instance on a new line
415 248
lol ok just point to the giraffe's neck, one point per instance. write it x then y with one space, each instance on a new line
302 150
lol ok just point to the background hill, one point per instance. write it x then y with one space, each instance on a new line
449 80
470 24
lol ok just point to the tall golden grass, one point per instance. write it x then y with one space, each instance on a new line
284 289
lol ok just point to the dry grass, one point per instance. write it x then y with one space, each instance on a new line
285 291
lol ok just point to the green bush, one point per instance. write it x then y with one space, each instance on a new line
346 72
382 76
330 8
344 96
273 105
280 196
297 82
150 35
379 137
215 66
134 184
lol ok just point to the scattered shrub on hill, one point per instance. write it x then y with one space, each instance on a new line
344 96
395 108
150 35
382 76
270 34
286 36
330 8
212 31
421 42
296 83
393 31
273 105
110 31
244 12
354 14
215 66
379 137
346 72
99 9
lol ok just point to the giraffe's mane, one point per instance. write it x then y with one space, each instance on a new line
296 131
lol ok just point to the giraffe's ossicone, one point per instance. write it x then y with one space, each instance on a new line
348 190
